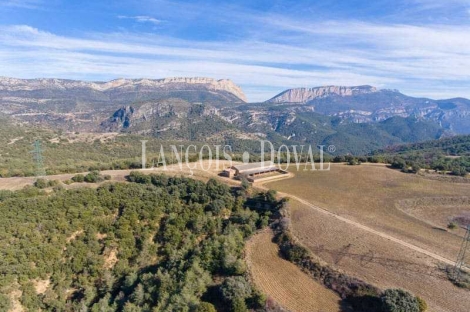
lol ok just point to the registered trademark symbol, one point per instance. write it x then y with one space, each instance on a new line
331 149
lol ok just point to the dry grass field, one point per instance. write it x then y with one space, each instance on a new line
283 281
439 212
376 259
371 195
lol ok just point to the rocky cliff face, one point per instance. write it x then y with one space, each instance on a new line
366 104
82 106
181 84
304 95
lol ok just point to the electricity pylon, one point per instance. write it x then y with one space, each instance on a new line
37 156
460 263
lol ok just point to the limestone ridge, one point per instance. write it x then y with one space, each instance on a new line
304 95
14 84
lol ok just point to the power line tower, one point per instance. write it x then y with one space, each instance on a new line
39 159
460 263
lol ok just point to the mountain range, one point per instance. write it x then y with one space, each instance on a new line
368 104
354 119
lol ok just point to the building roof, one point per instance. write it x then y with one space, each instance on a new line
254 166
260 170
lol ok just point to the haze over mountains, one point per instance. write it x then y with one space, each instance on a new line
356 119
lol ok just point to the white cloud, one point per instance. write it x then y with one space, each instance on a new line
24 4
411 58
142 19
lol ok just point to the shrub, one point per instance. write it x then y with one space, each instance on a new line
138 177
205 307
235 287
452 226
79 178
415 168
353 161
107 177
239 305
461 280
297 253
5 304
93 177
398 163
271 196
422 305
41 183
399 300
58 188
257 300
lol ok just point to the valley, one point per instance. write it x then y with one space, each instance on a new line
385 228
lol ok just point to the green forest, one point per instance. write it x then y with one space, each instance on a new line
157 243
448 155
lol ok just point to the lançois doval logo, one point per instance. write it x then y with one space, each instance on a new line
208 157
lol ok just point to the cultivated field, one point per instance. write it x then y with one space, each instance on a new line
373 195
364 233
283 281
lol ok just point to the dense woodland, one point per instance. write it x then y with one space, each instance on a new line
156 244
449 155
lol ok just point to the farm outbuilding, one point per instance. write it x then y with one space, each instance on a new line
254 168
251 171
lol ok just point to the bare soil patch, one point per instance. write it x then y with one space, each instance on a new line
41 285
283 281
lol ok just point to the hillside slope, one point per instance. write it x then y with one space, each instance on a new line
80 105
369 104
356 120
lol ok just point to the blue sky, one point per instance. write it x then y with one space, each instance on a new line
421 47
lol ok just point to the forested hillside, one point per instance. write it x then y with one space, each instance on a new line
454 146
80 152
356 120
446 155
155 244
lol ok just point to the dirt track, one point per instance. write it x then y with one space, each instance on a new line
368 229
363 227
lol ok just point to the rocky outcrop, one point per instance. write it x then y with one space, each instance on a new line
13 84
304 95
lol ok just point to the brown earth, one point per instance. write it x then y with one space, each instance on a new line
370 194
283 281
375 259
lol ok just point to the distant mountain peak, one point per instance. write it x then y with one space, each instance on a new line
304 95
14 84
